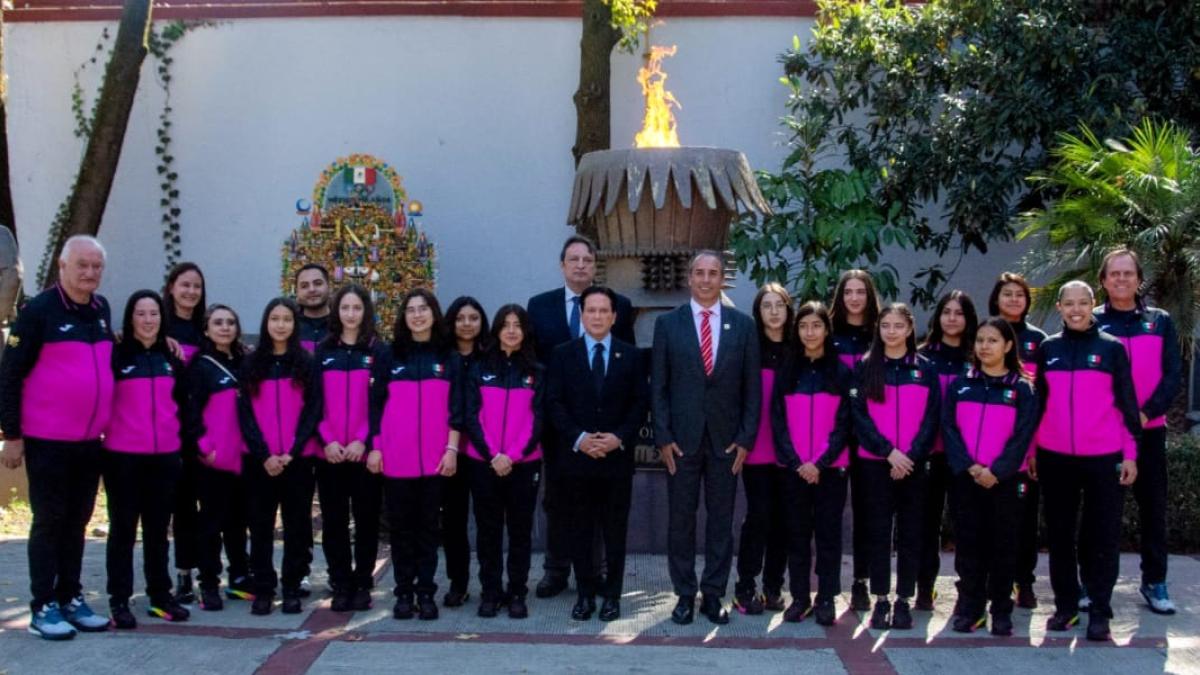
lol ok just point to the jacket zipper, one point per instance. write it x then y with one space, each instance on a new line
420 419
96 384
504 420
982 418
347 416
153 412
897 414
278 415
1071 407
812 437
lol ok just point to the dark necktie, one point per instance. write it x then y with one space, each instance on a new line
598 366
573 324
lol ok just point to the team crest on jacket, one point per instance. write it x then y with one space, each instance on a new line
1148 326
1030 346
914 374
368 360
1010 395
439 370
1093 359
528 381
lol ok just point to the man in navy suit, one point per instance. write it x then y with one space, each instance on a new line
597 402
705 393
557 317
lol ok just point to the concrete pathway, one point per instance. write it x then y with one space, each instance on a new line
233 642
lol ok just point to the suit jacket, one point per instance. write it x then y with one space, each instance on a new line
574 406
686 402
548 312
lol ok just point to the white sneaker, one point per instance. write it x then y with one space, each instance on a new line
48 623
82 617
1156 596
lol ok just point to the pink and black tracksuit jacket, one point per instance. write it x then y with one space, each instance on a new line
1029 343
410 409
210 419
312 332
763 452
502 409
187 335
281 416
989 421
810 413
949 363
1087 395
345 376
907 418
852 343
147 399
56 378
1150 341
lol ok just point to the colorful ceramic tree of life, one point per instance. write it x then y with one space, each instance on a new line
362 227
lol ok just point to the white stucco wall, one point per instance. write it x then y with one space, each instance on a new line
476 113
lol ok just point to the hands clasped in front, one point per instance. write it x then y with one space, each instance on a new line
597 445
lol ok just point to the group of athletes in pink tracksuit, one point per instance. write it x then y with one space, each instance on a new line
985 415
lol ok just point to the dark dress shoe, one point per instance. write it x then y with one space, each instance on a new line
584 607
685 611
517 608
610 610
455 598
550 586
711 607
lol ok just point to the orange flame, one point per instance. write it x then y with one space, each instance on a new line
658 127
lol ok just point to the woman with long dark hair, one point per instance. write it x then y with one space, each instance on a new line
763 546
988 420
141 460
280 409
467 323
810 418
947 347
895 406
414 446
1011 298
184 300
212 428
345 359
502 416
854 313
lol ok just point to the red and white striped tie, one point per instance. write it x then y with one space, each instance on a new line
706 351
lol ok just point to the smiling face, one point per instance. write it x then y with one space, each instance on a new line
418 316
705 279
280 325
186 292
990 348
1075 306
812 333
312 291
578 267
854 297
222 329
952 319
511 335
350 312
773 311
147 319
1121 280
1012 302
468 324
894 329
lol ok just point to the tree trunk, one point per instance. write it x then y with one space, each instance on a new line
90 194
593 100
7 215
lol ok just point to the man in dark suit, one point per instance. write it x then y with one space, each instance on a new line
557 318
597 402
706 394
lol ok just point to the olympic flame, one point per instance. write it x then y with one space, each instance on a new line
658 126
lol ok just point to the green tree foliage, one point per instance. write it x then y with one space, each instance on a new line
632 19
950 104
1142 192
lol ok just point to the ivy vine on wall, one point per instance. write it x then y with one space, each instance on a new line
161 41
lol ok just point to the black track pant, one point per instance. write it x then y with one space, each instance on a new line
63 479
224 516
504 504
185 520
937 491
412 506
456 505
1069 484
814 511
346 489
902 502
599 502
1029 493
763 544
986 526
290 494
1150 491
139 487
860 536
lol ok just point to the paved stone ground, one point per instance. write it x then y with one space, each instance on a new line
232 642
